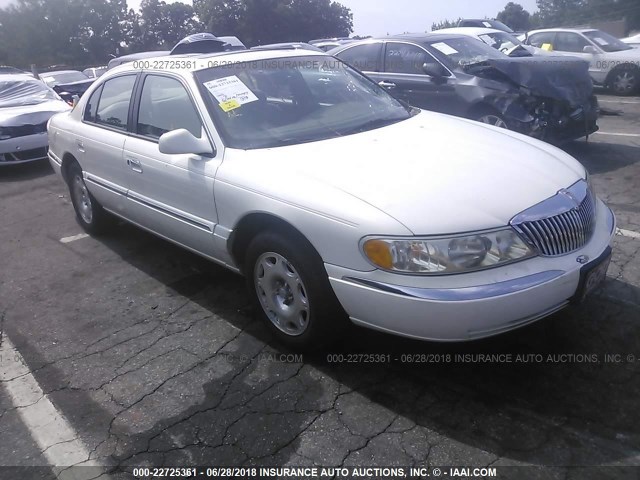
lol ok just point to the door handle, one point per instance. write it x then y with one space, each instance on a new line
384 84
80 146
135 165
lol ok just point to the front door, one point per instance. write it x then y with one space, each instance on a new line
171 195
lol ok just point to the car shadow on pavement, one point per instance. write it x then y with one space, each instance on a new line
601 157
25 171
561 392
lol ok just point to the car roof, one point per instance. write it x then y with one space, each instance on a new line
574 30
200 61
422 37
57 72
475 31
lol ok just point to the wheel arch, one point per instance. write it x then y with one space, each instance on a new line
481 107
253 224
67 160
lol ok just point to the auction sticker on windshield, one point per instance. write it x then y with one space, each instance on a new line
230 92
444 48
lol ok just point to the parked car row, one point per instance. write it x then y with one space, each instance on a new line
462 76
334 199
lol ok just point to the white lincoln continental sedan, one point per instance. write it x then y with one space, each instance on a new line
331 197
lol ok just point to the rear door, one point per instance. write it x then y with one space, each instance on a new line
171 195
99 141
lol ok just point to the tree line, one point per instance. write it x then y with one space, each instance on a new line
90 32
558 13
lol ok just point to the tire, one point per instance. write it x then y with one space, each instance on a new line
290 291
624 80
89 213
491 118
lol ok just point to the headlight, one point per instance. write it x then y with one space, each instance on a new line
4 134
455 254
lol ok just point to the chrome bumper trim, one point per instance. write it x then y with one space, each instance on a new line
462 294
52 156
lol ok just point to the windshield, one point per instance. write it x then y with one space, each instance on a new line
606 42
15 93
462 51
500 40
285 101
498 25
61 78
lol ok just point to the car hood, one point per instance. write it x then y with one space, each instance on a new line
559 77
31 114
623 55
433 173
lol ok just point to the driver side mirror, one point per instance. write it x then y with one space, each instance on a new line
434 70
181 142
590 49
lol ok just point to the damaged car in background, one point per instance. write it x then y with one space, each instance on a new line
67 83
26 105
549 98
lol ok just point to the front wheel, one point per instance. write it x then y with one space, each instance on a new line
492 119
624 80
291 292
90 214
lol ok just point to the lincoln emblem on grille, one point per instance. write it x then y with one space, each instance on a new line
571 197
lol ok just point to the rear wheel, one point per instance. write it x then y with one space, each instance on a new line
624 80
90 214
291 291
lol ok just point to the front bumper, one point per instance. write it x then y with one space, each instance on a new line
468 306
28 148
560 125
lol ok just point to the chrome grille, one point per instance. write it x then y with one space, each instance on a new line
561 224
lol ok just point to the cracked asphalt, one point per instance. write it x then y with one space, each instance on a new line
154 358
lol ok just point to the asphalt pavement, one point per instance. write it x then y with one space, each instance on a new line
151 356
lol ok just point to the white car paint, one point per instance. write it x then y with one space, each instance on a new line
633 40
431 174
482 34
601 63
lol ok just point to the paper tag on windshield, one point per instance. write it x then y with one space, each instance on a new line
601 41
230 92
444 48
487 24
229 105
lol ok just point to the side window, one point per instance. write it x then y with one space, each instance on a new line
365 58
405 58
92 106
539 39
569 42
113 107
165 105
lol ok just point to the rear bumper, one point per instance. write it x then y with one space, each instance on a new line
472 309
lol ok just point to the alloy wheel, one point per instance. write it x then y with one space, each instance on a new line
493 120
624 82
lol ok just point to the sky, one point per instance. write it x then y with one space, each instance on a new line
379 17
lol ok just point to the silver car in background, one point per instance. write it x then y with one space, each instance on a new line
26 105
